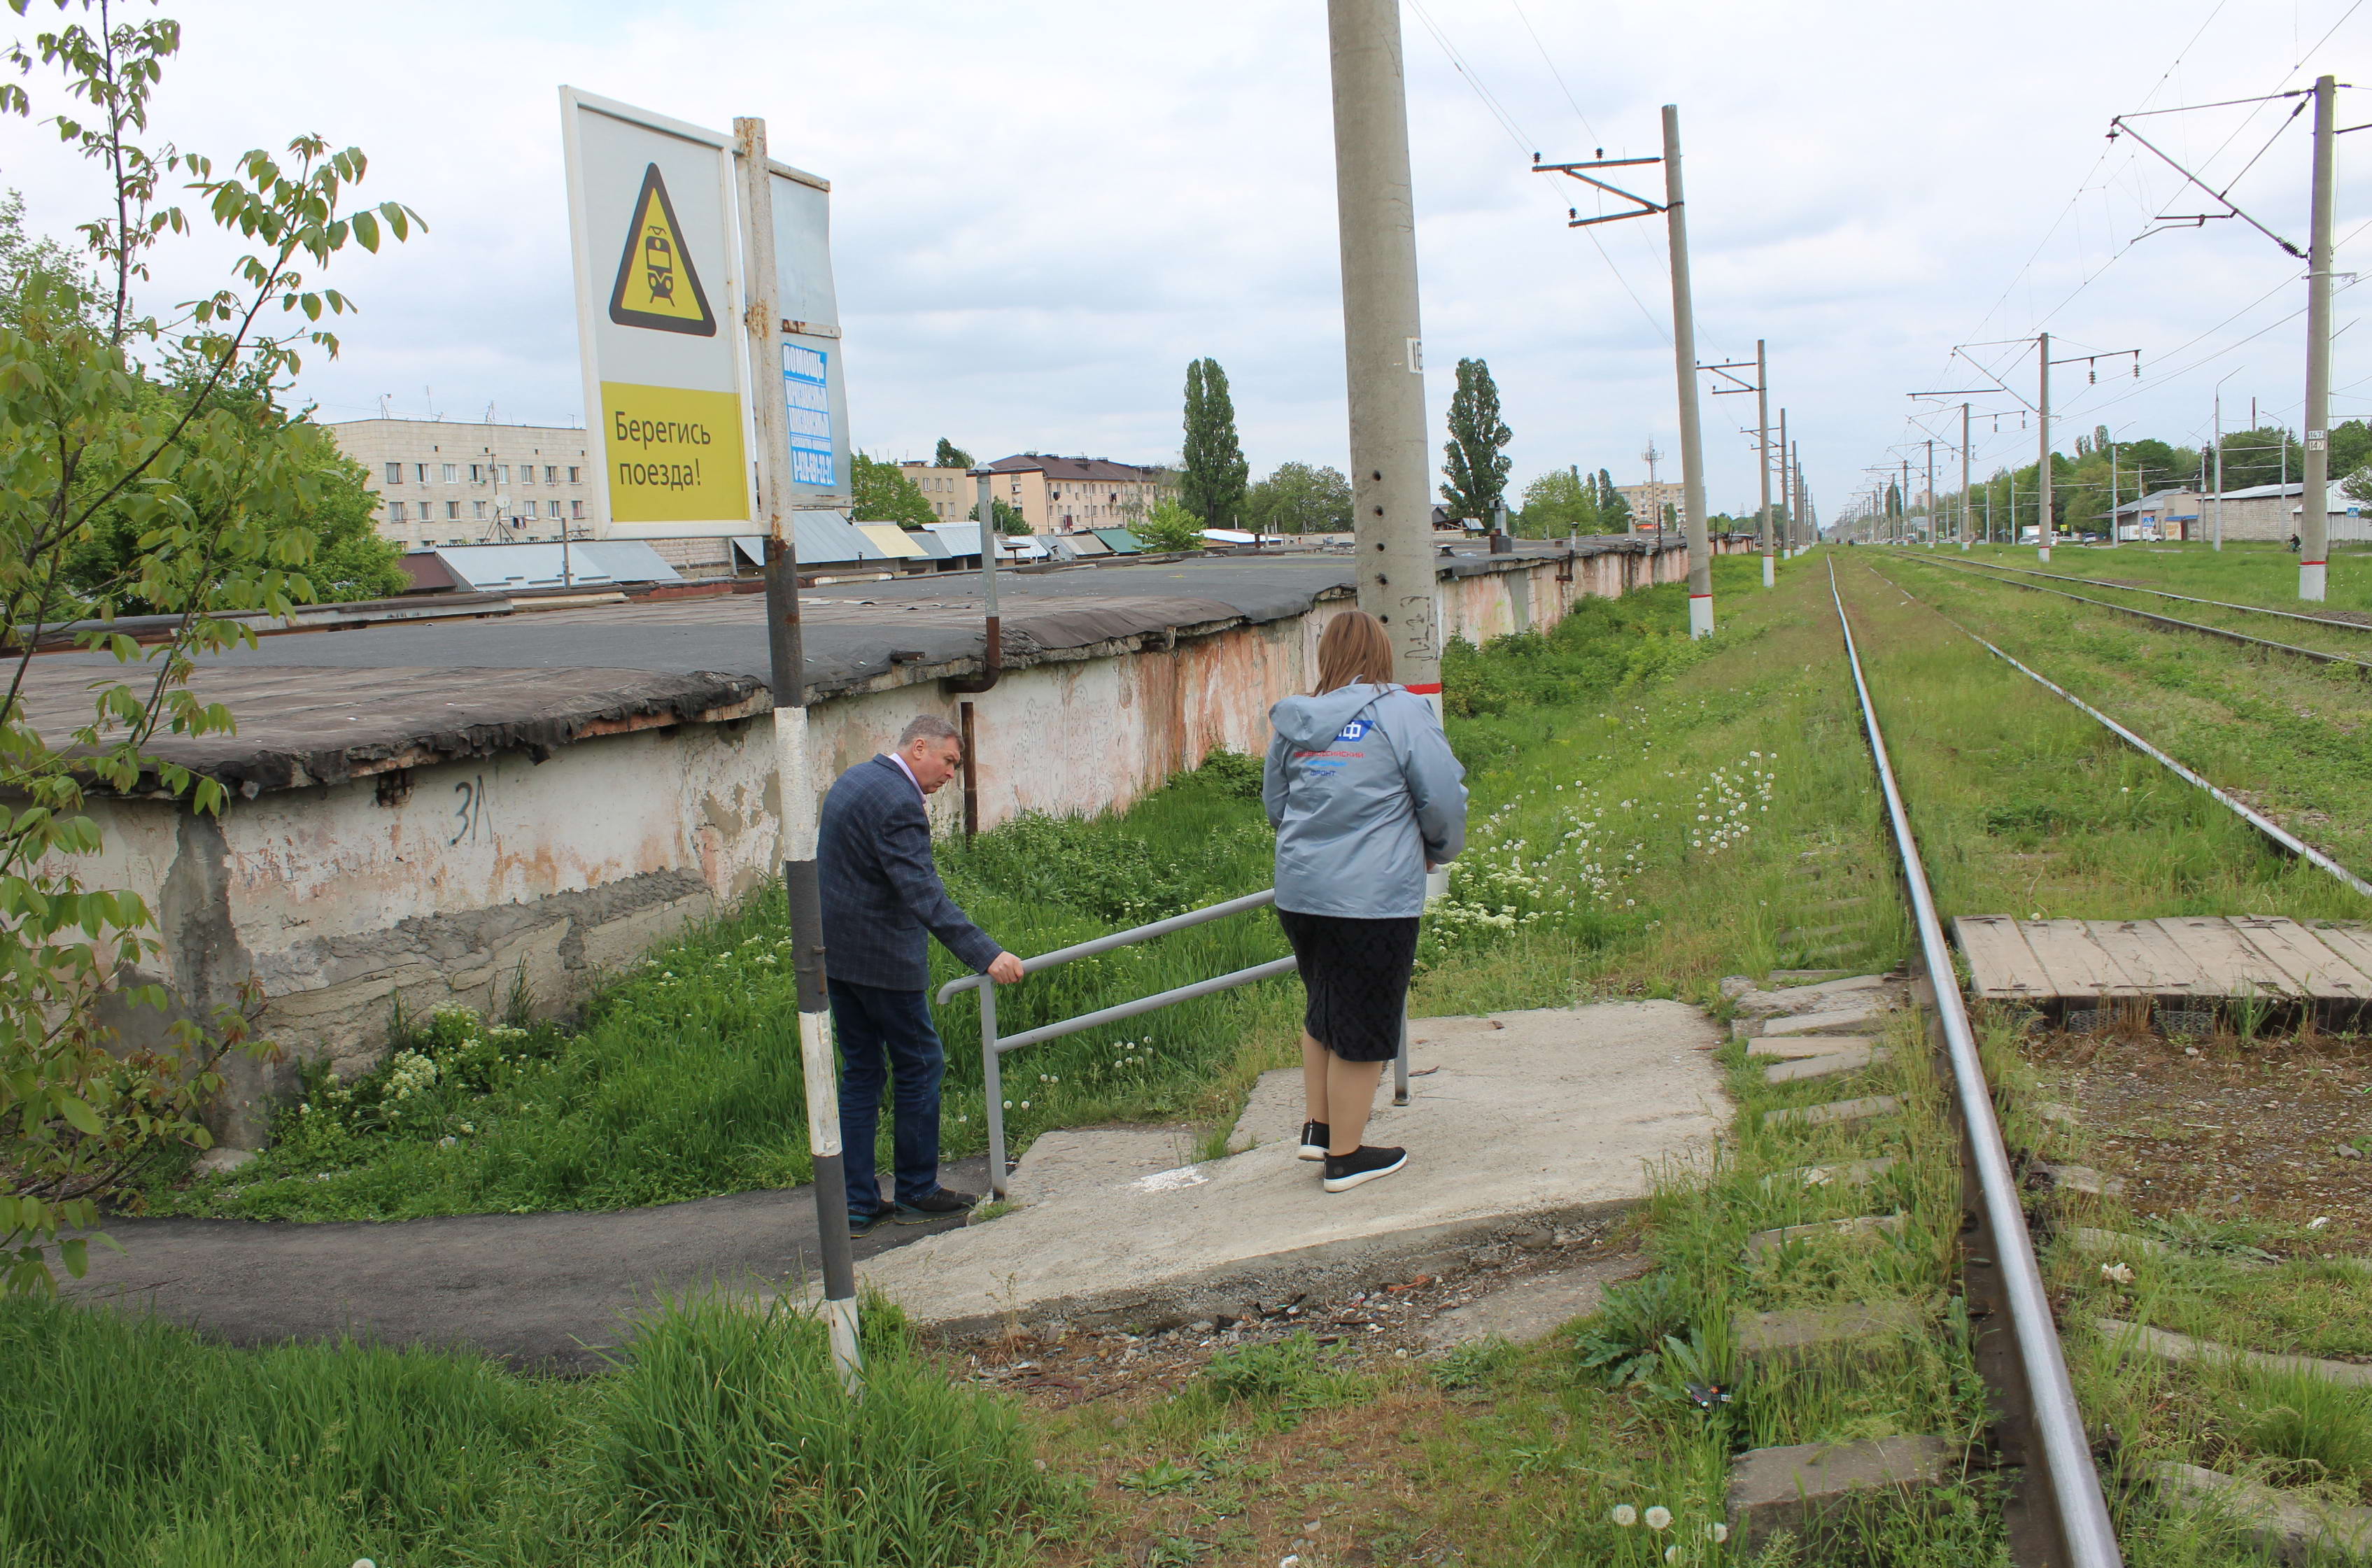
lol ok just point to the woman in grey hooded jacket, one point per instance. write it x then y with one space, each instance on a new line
1366 799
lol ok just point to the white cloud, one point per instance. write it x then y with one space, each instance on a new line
1043 211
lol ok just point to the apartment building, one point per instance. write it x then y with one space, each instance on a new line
949 491
442 482
1068 494
1648 501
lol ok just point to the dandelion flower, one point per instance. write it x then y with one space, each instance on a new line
1625 1515
1719 1531
1659 1517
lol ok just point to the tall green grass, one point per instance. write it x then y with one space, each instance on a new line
726 1440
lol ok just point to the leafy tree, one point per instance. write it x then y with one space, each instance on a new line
1894 499
1558 503
1614 513
210 486
1476 466
1170 526
882 493
1007 517
2263 456
951 456
1297 498
2351 447
1212 484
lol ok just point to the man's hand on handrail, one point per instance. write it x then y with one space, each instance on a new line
1005 968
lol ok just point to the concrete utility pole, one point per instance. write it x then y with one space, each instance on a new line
1684 352
2314 526
2042 417
1808 534
1931 495
1963 526
1903 512
2217 427
794 783
1762 452
1382 343
1788 490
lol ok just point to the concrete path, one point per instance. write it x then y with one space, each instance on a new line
549 1291
1518 1119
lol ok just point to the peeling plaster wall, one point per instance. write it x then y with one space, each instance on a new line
481 881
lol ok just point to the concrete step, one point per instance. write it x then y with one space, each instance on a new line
2168 1346
1796 1048
2084 1238
1833 1020
1830 1064
1517 1120
1810 1333
1068 1161
1535 1309
1837 1113
2286 1526
1860 1225
1850 990
1809 1489
1845 1173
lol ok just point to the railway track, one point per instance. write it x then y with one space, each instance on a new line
2042 1397
2060 1512
1984 571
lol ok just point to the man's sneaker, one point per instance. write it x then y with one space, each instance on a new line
1363 1164
862 1224
1313 1139
939 1205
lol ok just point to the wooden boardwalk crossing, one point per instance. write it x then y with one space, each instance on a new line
2184 962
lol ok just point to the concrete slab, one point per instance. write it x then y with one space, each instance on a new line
1848 1173
1805 1488
1859 1225
1837 1020
1555 1112
2081 1179
1068 1160
1828 1064
1828 994
1805 1333
1536 1307
1796 1046
2287 1527
1868 1109
2168 1346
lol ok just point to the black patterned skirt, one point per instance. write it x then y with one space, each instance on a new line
1356 973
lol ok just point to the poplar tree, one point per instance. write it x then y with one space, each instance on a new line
1614 513
1477 467
1212 486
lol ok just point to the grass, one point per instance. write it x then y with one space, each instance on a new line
1650 814
726 1440
2243 574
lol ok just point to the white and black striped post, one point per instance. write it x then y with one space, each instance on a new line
795 781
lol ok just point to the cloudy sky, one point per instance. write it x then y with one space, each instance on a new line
1044 208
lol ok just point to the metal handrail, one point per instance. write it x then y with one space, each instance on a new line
993 1048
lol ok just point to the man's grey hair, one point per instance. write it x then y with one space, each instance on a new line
926 726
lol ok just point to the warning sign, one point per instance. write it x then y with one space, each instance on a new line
658 285
674 453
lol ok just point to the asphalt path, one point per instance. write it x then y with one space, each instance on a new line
555 1293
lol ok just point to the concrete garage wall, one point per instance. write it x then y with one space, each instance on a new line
461 881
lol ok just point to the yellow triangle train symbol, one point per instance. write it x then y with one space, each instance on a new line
657 286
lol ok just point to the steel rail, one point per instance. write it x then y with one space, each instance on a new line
2315 654
2281 836
2168 593
2082 1510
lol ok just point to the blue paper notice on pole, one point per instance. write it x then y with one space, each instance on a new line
807 395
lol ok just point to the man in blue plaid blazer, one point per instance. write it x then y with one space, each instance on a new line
881 894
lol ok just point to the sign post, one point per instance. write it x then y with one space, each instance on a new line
680 317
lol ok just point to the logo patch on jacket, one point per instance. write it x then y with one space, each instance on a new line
1357 729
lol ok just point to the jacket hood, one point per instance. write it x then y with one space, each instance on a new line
1313 721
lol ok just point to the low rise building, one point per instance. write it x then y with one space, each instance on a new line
1066 495
2271 512
2162 513
949 491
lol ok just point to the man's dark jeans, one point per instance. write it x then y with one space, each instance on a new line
889 1030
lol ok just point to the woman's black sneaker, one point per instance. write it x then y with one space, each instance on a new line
1313 1139
1363 1164
941 1204
862 1224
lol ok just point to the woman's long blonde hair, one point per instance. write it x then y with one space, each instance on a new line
1352 647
